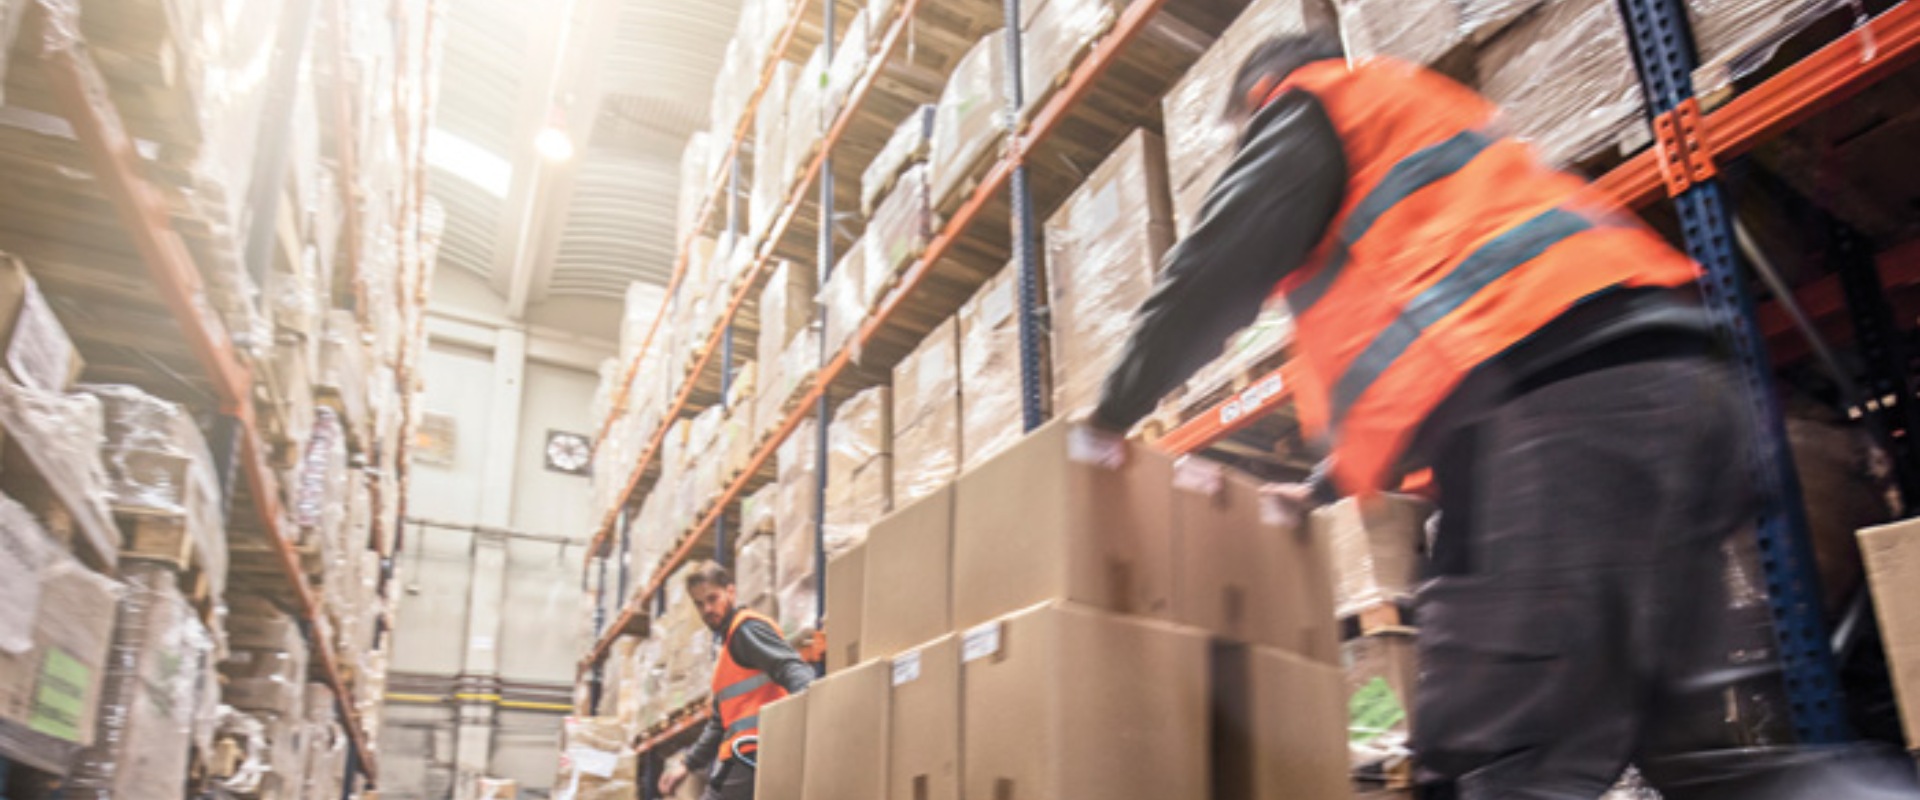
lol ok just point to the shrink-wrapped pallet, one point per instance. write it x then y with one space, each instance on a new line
805 119
1103 247
754 573
898 233
990 416
926 415
907 146
970 118
859 468
160 479
56 625
849 62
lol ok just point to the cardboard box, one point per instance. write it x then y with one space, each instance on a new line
846 591
782 755
923 728
1103 247
1296 709
1892 555
909 579
1376 547
847 724
53 687
36 347
1242 573
1069 703
990 401
1044 521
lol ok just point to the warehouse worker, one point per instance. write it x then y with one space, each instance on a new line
755 667
1462 306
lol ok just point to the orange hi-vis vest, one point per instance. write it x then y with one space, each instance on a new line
1452 245
739 692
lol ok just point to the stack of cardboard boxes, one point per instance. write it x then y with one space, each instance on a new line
1073 618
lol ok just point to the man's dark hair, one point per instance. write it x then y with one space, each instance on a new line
708 572
1273 61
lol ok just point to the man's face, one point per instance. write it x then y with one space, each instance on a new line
714 602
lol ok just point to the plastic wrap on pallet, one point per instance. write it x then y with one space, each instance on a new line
797 603
970 118
1737 37
267 672
1102 249
1053 39
1421 31
926 415
596 761
696 163
644 302
321 492
150 696
907 146
844 297
157 461
56 625
1381 671
760 509
344 366
754 573
859 468
768 190
1595 96
794 528
1200 139
805 117
898 232
245 772
1375 547
786 306
62 434
850 58
990 411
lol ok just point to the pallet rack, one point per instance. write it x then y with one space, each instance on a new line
1820 81
240 454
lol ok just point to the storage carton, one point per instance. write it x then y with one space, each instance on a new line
847 730
909 576
846 593
1892 555
782 755
1244 573
923 731
926 415
1053 518
990 411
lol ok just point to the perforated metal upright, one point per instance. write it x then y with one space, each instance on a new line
721 553
1663 52
1026 257
825 270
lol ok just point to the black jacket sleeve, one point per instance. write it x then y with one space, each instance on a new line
706 748
1260 221
757 646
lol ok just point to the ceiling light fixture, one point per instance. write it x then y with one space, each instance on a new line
553 144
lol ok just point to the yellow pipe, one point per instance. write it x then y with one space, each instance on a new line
400 697
528 705
524 705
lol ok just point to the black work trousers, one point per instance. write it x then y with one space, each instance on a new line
732 780
1577 617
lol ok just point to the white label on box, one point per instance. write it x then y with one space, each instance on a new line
1277 512
980 641
41 354
1199 475
21 557
598 763
906 668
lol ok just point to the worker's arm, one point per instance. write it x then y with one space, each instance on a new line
1260 222
704 750
756 645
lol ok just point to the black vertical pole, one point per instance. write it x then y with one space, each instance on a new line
820 427
1026 255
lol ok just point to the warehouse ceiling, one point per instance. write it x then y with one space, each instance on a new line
556 242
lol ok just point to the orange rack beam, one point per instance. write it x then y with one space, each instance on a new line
1046 122
669 733
1830 75
82 92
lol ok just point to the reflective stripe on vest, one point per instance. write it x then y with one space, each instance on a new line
742 688
1451 246
743 725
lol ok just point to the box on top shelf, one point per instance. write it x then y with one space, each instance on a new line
990 410
1103 247
898 233
753 572
926 415
806 119
1200 140
696 162
1054 517
160 481
55 630
907 146
644 303
850 58
1054 35
1594 98
769 179
970 118
1244 571
859 467
849 710
909 582
1070 702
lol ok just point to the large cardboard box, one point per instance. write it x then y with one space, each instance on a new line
1244 573
782 755
1892 554
846 592
1296 709
35 345
990 410
923 729
53 686
909 577
847 728
1069 703
1103 247
1048 519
